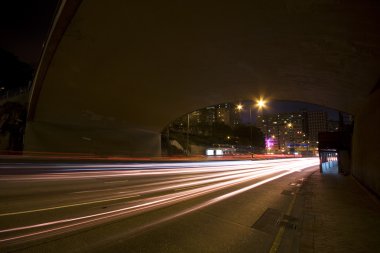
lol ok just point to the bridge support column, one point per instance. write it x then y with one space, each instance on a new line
366 143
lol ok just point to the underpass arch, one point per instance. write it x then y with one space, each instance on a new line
112 75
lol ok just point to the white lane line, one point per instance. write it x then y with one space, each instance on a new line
65 206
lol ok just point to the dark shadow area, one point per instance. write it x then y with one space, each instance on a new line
15 83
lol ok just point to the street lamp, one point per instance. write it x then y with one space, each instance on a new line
291 133
239 107
261 104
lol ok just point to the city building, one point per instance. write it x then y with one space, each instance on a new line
332 125
290 132
223 113
284 132
293 132
200 121
316 122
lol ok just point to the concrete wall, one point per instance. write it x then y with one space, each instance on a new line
50 137
366 144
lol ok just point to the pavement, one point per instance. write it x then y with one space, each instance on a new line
338 215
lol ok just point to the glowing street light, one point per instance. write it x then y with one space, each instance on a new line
239 107
260 103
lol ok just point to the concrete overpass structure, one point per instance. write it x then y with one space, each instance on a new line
115 73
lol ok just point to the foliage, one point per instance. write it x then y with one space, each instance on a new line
12 123
243 133
217 133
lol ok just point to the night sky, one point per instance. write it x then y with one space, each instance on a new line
278 106
24 25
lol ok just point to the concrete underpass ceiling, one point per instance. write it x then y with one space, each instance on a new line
144 64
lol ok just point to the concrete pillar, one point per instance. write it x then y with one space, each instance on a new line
366 144
344 163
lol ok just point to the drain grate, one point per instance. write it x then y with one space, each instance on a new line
268 221
288 222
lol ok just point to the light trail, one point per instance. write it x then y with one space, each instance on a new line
201 180
170 185
109 171
66 206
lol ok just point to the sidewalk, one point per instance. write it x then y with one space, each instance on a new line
339 215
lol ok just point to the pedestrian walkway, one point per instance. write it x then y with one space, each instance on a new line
339 215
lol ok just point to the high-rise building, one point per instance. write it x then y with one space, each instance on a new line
283 132
332 125
289 132
316 122
222 113
201 120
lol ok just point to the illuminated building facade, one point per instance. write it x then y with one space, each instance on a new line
201 120
292 132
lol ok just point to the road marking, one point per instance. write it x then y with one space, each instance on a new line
281 231
72 205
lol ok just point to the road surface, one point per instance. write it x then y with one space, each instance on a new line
148 207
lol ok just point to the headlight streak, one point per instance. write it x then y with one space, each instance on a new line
214 183
201 190
134 166
145 169
216 178
174 184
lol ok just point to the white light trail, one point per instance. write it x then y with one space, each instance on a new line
202 180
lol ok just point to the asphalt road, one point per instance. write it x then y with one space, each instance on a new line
231 206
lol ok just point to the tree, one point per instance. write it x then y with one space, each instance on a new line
220 131
243 133
12 123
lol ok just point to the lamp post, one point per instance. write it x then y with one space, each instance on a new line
291 138
261 104
251 130
239 107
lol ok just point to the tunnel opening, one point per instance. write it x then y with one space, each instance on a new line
243 128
